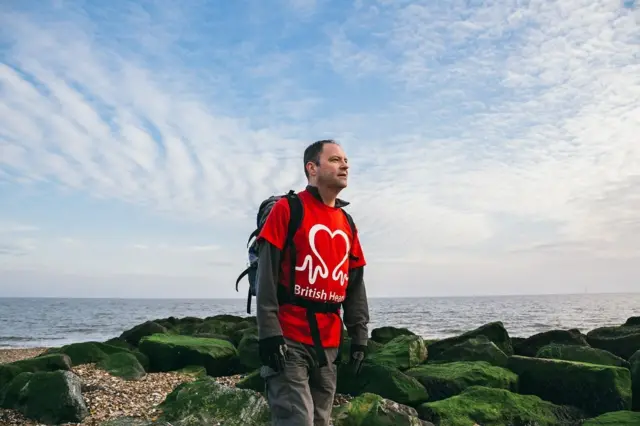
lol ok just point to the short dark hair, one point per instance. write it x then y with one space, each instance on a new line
313 151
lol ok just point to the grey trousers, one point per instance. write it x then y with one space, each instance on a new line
302 394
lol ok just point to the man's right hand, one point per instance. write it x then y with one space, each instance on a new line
273 352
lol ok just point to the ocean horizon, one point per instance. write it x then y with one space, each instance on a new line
55 321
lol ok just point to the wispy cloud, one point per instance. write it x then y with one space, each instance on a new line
503 132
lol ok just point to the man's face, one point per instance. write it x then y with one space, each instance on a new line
333 169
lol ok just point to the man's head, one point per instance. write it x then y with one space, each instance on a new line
325 164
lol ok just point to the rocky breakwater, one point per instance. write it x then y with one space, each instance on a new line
482 377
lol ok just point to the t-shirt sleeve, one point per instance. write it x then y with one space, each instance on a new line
275 227
357 253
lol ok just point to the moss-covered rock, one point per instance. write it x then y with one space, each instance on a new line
345 348
122 364
168 352
445 380
484 406
206 402
594 388
193 370
634 362
623 340
581 354
402 352
494 331
373 410
51 362
92 352
474 349
248 350
532 344
147 328
52 397
388 382
615 418
387 333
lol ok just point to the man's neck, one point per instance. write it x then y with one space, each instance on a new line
328 195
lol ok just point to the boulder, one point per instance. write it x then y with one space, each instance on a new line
388 382
478 405
623 340
386 334
147 328
51 362
373 410
530 346
594 388
634 362
122 364
581 354
474 349
615 418
92 352
494 331
169 352
52 397
248 350
206 402
345 348
401 352
445 380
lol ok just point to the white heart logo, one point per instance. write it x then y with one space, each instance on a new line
322 268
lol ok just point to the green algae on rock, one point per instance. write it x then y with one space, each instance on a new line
615 418
52 397
497 407
92 352
623 340
634 362
494 331
51 362
445 380
478 348
372 410
205 401
122 364
581 354
530 346
169 352
594 388
387 333
402 352
388 382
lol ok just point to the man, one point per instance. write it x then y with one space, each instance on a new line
299 325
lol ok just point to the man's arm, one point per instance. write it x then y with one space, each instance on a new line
356 308
267 291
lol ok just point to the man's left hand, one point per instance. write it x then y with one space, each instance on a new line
357 357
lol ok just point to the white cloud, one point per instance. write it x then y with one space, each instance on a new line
506 132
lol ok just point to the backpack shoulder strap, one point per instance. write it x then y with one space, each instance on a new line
295 217
354 230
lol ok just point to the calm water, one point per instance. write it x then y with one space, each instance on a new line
54 322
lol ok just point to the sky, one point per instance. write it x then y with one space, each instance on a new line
494 146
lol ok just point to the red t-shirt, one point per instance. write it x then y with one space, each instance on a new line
323 243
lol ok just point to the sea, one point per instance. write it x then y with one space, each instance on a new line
47 322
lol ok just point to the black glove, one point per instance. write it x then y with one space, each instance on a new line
273 352
358 354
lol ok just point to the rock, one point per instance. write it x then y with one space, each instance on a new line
132 421
594 388
169 352
478 405
122 364
45 363
494 331
345 348
388 382
206 402
474 349
581 354
147 328
634 362
52 397
402 352
445 380
373 410
615 418
386 334
248 350
92 352
253 381
530 346
622 340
